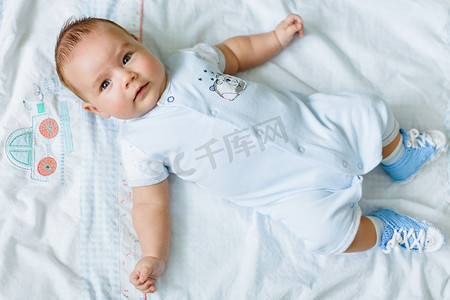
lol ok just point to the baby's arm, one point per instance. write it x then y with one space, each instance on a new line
151 219
245 52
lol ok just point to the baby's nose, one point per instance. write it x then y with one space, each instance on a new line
128 77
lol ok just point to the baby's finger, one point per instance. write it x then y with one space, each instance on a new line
141 286
147 288
299 27
134 278
145 271
300 32
145 285
294 28
150 289
293 18
295 24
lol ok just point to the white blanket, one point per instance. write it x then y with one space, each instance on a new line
66 226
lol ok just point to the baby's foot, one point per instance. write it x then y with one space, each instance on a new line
419 150
409 233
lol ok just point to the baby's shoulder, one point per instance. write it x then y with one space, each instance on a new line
200 54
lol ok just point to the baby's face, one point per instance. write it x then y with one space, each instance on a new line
115 74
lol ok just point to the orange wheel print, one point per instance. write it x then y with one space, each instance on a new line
49 128
47 166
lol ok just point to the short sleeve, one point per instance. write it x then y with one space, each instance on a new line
210 54
140 169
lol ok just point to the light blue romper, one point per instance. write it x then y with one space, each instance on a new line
296 160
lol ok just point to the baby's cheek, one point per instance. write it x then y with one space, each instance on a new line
123 110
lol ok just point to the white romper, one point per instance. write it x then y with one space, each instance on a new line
296 160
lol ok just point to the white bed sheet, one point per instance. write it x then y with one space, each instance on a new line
69 235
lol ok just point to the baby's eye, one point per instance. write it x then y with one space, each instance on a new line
126 58
105 84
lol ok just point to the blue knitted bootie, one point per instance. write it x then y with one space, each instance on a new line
409 233
420 149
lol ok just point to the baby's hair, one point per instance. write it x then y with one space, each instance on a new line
73 31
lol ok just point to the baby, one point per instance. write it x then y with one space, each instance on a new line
295 159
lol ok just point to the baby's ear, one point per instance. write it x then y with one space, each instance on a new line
91 108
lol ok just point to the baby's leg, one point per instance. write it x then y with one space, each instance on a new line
410 151
389 229
366 237
392 146
404 152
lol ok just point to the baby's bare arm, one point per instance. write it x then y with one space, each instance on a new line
151 219
245 52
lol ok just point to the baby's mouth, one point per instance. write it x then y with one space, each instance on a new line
140 91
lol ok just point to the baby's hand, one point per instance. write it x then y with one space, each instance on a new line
285 31
147 270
